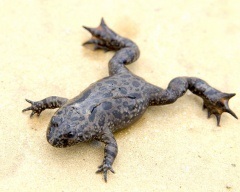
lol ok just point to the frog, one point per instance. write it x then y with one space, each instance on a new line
118 100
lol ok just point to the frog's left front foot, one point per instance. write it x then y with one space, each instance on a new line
105 168
217 103
48 103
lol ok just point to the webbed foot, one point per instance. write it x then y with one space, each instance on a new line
36 107
103 38
217 104
105 168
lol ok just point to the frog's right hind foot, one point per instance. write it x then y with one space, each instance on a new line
103 38
217 104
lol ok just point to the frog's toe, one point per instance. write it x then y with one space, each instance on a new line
218 104
98 44
99 31
36 107
104 169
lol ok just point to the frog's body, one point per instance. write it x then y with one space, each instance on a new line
115 102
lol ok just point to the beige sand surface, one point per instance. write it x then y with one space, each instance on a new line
172 148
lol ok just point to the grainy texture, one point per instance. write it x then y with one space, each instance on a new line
117 101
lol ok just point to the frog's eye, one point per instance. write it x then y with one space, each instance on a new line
70 134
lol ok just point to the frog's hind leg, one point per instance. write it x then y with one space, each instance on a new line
215 101
106 39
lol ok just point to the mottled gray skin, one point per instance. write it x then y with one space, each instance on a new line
118 100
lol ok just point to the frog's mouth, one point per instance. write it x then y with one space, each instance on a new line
57 138
59 143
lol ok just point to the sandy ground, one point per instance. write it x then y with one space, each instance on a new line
172 148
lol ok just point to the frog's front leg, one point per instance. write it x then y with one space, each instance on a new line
47 103
110 152
215 101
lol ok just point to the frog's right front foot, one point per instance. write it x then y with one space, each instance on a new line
103 38
36 107
104 168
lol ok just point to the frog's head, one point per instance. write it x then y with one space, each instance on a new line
66 128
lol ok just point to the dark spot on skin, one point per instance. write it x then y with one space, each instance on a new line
102 89
125 104
110 152
84 96
112 82
123 90
135 95
106 95
117 114
211 92
101 121
118 101
131 107
106 105
135 83
81 118
75 119
69 114
125 76
130 53
84 125
83 111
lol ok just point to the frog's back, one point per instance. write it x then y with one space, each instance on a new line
114 102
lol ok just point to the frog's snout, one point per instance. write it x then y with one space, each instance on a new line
54 133
56 139
60 133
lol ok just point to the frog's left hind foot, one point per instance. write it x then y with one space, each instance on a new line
103 38
217 104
